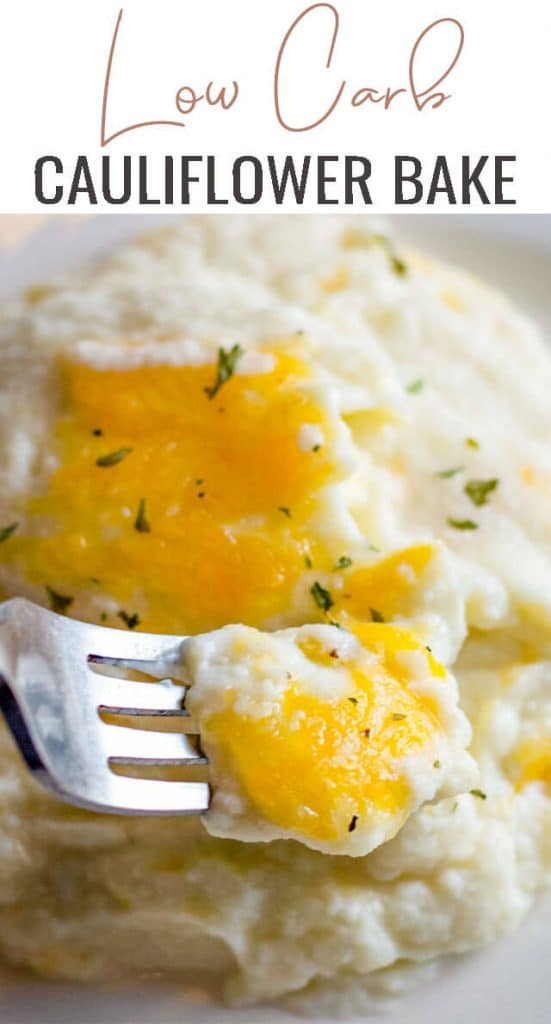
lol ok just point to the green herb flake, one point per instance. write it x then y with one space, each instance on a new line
478 490
333 622
398 266
141 523
415 387
316 448
284 510
321 596
446 474
353 700
6 531
471 442
353 823
103 617
130 620
227 362
308 561
397 716
112 458
59 602
94 579
376 616
436 764
462 524
479 793
342 563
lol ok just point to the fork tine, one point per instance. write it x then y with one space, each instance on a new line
149 796
140 746
58 698
134 697
126 648
165 666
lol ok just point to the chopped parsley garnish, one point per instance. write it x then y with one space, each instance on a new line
478 490
6 531
471 442
112 458
316 448
462 524
353 700
398 266
445 474
59 602
479 793
130 620
342 563
103 617
397 716
321 596
97 432
199 482
353 823
333 622
94 579
308 561
376 616
416 386
436 764
286 511
227 361
141 523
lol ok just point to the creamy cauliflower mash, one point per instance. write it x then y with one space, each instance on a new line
327 462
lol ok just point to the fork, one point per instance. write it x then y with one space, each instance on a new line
55 686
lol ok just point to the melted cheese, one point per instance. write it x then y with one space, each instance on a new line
387 586
314 735
315 763
228 493
530 761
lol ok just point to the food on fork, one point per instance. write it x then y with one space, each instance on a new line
325 460
322 735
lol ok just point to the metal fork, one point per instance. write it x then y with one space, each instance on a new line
54 690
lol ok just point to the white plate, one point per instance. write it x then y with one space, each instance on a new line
505 984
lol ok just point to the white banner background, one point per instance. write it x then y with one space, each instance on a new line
53 61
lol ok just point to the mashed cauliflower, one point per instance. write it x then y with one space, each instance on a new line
327 461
